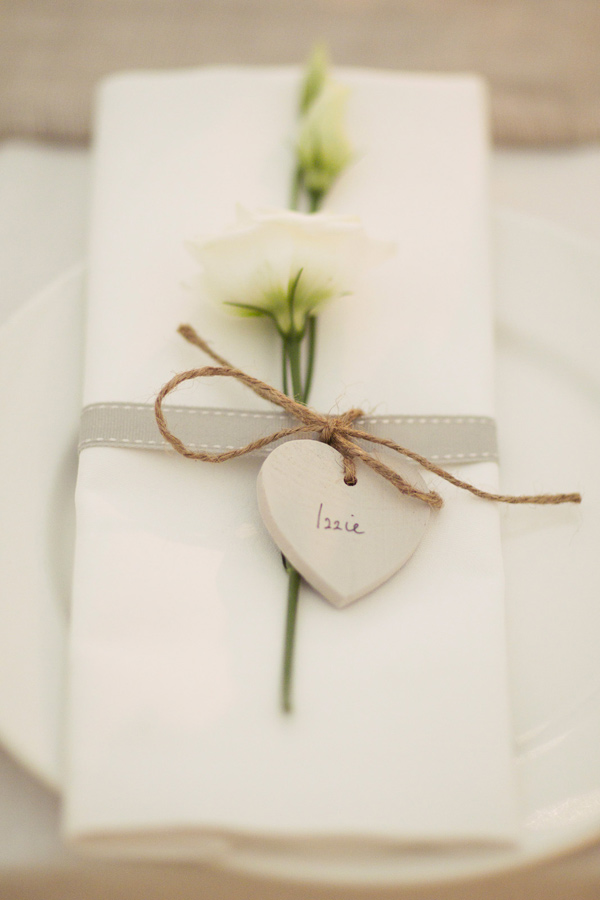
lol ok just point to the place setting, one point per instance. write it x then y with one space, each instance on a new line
300 528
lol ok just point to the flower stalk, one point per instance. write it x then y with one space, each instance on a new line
300 389
323 151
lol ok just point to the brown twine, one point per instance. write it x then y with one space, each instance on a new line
334 430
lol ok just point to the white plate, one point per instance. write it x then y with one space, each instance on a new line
549 425
40 374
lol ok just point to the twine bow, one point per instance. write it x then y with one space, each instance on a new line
338 431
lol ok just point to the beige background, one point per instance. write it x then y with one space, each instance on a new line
541 56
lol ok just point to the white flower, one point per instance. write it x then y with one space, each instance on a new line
285 264
323 147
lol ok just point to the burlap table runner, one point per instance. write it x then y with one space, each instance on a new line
541 57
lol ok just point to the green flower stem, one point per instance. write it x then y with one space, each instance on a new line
290 631
291 357
310 360
292 353
284 366
315 198
294 345
297 185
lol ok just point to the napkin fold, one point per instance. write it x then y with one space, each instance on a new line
401 730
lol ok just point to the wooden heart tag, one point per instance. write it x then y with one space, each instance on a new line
345 540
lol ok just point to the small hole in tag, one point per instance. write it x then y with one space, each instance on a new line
351 480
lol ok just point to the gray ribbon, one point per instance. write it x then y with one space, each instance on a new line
443 439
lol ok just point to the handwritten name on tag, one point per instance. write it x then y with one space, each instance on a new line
345 540
334 524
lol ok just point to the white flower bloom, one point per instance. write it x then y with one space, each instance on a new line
323 148
253 266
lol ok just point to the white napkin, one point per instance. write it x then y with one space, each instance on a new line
401 729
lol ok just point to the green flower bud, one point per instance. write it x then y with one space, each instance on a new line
323 148
315 78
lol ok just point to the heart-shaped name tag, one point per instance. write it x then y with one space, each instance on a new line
345 540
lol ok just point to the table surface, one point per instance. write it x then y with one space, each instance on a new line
44 194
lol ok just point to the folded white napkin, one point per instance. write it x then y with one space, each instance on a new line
401 728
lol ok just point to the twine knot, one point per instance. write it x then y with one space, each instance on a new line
336 425
333 433
336 430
